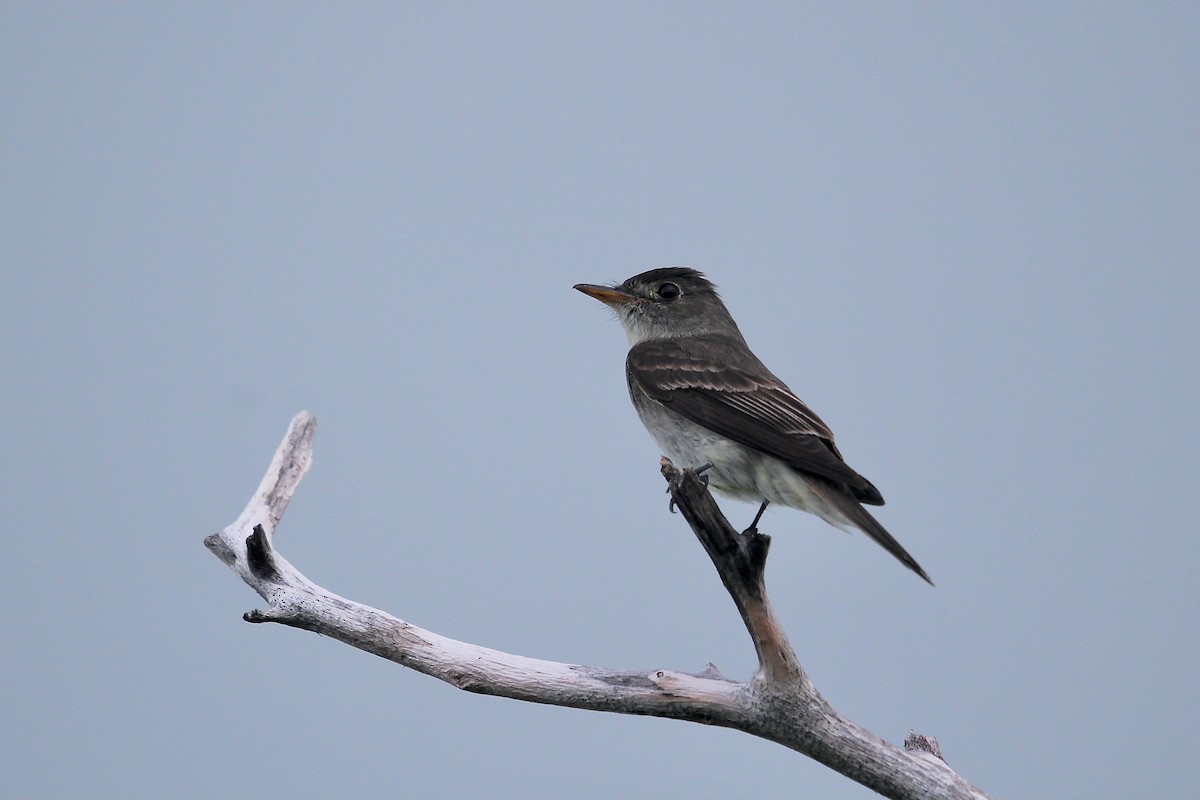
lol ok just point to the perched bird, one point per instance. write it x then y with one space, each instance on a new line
711 405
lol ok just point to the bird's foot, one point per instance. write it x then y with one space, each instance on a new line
699 474
753 529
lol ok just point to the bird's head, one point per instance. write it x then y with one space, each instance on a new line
665 303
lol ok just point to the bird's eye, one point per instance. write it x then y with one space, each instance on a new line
668 291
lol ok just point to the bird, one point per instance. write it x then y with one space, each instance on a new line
712 406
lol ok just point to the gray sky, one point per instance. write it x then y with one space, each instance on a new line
965 234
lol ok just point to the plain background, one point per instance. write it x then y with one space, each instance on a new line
966 234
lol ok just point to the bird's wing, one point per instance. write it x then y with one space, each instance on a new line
745 403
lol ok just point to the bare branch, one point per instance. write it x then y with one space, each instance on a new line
778 703
740 559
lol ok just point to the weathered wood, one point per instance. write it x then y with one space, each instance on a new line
777 703
740 559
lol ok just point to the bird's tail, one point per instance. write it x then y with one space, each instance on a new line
860 518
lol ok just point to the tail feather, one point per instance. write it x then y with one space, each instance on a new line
860 518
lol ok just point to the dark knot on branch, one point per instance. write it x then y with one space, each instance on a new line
260 557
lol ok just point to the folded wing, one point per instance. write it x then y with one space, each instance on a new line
745 403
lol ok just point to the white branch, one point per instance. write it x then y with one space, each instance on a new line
778 703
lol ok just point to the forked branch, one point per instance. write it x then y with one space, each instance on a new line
777 703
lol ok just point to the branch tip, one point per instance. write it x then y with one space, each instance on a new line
669 471
218 547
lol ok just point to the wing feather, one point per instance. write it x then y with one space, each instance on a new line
693 376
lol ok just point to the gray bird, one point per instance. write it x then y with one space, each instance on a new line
711 404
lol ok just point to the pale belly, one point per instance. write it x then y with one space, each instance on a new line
737 471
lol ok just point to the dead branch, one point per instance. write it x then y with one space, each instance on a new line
777 703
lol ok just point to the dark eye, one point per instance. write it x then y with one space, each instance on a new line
668 291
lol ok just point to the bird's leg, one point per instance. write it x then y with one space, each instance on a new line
754 525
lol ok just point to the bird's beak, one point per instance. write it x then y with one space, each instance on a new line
607 295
